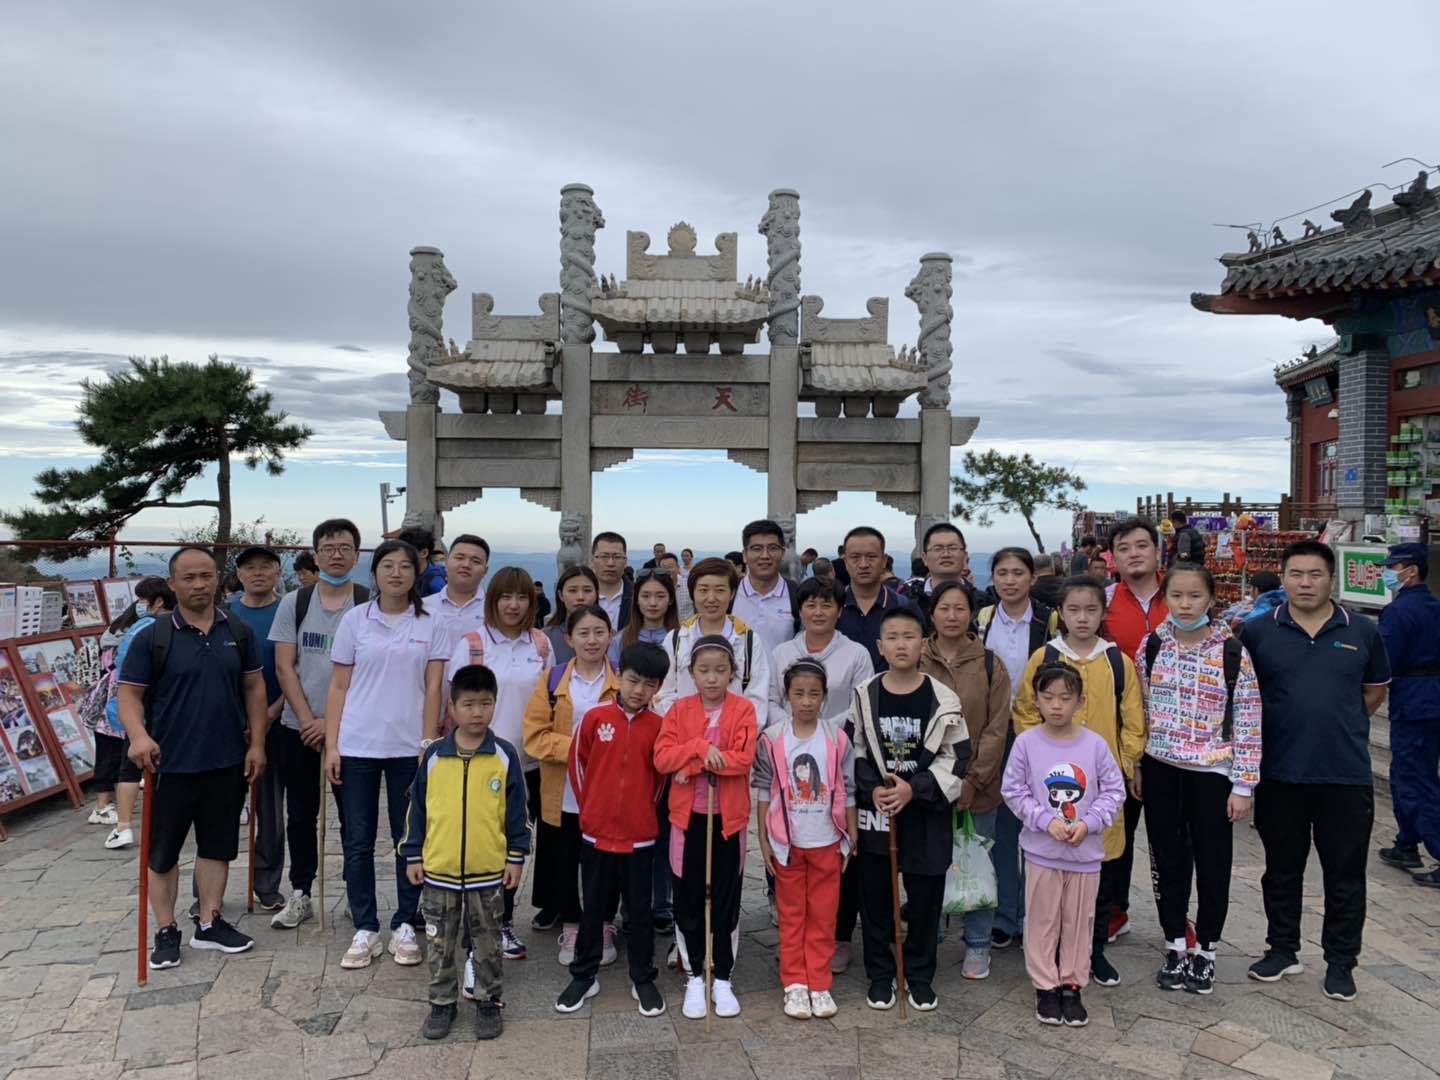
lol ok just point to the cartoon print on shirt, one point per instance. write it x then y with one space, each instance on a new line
1066 785
806 784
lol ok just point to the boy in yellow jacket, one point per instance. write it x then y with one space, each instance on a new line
1113 709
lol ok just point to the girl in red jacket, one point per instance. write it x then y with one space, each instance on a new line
707 743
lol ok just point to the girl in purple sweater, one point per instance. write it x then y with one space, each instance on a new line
1064 785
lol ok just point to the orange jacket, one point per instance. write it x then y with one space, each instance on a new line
550 723
681 747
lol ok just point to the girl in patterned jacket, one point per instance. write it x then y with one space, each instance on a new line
1201 765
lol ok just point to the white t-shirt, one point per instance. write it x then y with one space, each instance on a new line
809 797
584 696
456 619
517 665
385 707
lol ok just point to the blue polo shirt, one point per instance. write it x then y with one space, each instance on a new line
197 713
259 620
1410 625
1314 725
864 628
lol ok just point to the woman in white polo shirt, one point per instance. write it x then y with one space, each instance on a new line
519 655
389 662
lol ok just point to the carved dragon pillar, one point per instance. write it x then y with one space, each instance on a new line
430 284
580 220
931 291
781 228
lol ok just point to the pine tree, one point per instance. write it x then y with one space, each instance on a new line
157 426
1012 484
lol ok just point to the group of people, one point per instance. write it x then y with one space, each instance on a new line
622 747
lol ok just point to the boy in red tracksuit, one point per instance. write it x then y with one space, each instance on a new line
612 773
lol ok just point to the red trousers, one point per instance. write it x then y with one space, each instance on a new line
807 896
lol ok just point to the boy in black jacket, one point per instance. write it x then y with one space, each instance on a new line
911 749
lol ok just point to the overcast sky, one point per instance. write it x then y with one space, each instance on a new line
248 180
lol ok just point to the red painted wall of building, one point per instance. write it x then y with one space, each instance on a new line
1420 401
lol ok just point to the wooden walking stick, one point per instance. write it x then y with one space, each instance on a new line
142 968
321 862
250 885
709 860
893 830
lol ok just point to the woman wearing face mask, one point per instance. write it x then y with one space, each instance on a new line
1201 764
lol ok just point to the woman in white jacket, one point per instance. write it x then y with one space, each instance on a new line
712 586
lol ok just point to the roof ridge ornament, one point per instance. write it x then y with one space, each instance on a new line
1358 215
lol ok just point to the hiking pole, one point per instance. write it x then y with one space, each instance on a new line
142 969
321 866
895 910
709 859
250 874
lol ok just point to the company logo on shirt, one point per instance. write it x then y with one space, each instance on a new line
495 784
605 732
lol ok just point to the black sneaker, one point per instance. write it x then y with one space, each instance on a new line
649 998
269 902
1406 858
1102 971
881 994
664 924
545 920
1339 983
575 995
1430 878
1047 1007
221 936
922 997
1171 975
488 1021
166 953
1274 966
437 1024
1072 1009
1200 975
1002 940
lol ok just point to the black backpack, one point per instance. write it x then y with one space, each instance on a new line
305 595
1117 674
161 636
1231 663
1190 545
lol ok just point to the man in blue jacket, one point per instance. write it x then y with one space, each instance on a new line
1410 626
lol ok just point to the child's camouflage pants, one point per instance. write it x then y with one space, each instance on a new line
445 929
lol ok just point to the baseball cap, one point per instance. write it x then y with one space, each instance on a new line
1418 554
256 551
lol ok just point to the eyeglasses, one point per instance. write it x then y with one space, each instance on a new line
765 549
945 549
335 549
608 558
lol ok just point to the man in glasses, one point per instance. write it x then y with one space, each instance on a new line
303 629
946 558
765 601
608 559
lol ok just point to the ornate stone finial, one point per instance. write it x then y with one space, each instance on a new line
1311 229
1357 215
681 238
430 284
790 561
1417 196
573 528
1255 245
781 228
930 289
580 219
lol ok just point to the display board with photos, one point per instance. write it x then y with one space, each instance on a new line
61 672
83 600
119 594
33 762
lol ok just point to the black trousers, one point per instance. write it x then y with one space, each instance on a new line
1337 819
923 895
288 798
689 897
604 877
559 867
532 804
1110 886
1188 828
848 913
1125 864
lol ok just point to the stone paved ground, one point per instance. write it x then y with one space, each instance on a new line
70 1010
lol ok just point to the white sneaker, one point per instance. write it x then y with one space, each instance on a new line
568 937
797 1002
296 910
104 816
404 947
244 815
467 982
364 947
119 838
607 950
694 1007
822 1005
723 995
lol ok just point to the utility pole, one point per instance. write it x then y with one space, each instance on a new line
387 496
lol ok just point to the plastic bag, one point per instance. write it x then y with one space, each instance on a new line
970 881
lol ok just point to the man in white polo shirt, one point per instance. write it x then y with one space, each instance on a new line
460 606
765 601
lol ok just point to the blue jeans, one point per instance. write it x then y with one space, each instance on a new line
1009 873
980 922
359 794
